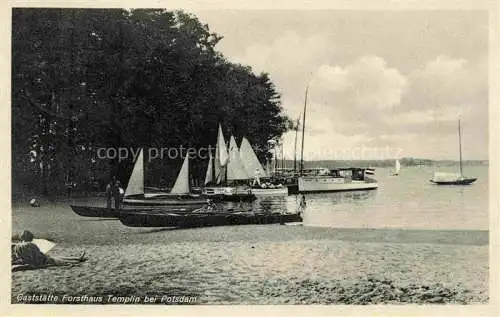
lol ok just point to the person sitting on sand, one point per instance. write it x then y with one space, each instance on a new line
27 253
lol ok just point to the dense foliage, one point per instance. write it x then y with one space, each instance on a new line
84 79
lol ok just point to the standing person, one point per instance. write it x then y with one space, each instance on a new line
117 194
303 201
109 194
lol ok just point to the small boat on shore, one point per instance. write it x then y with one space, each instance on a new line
204 219
440 178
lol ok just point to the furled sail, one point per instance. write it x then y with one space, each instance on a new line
250 160
209 175
235 168
181 185
136 182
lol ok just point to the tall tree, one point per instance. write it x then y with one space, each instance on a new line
84 79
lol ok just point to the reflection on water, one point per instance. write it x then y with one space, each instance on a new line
405 201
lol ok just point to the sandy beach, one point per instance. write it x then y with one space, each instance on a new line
257 264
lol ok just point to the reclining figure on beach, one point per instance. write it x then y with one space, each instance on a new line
26 255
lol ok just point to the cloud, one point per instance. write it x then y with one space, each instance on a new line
365 84
447 81
400 81
366 103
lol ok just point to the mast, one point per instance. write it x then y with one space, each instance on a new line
460 146
295 147
282 157
303 129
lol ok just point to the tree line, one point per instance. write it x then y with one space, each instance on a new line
84 79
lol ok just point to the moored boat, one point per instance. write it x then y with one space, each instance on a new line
332 180
451 179
180 194
228 184
102 212
440 178
336 180
278 191
204 219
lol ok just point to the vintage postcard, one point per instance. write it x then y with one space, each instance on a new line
329 158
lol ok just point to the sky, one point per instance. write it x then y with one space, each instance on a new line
382 84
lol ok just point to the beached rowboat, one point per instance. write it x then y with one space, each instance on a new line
204 219
102 212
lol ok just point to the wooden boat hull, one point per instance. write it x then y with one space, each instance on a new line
204 219
228 194
165 200
97 212
102 212
283 191
465 181
331 184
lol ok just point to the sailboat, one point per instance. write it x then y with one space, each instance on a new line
228 168
332 180
179 195
441 178
254 169
397 168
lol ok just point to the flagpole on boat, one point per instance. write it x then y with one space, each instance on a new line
303 129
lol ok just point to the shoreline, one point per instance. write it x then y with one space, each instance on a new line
257 264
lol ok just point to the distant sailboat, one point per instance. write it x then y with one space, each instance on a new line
440 178
397 168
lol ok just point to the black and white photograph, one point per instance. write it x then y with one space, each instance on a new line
231 156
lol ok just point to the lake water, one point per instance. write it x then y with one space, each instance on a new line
405 201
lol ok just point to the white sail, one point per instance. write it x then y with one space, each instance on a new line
221 145
235 168
398 166
209 175
250 160
221 157
136 182
181 185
